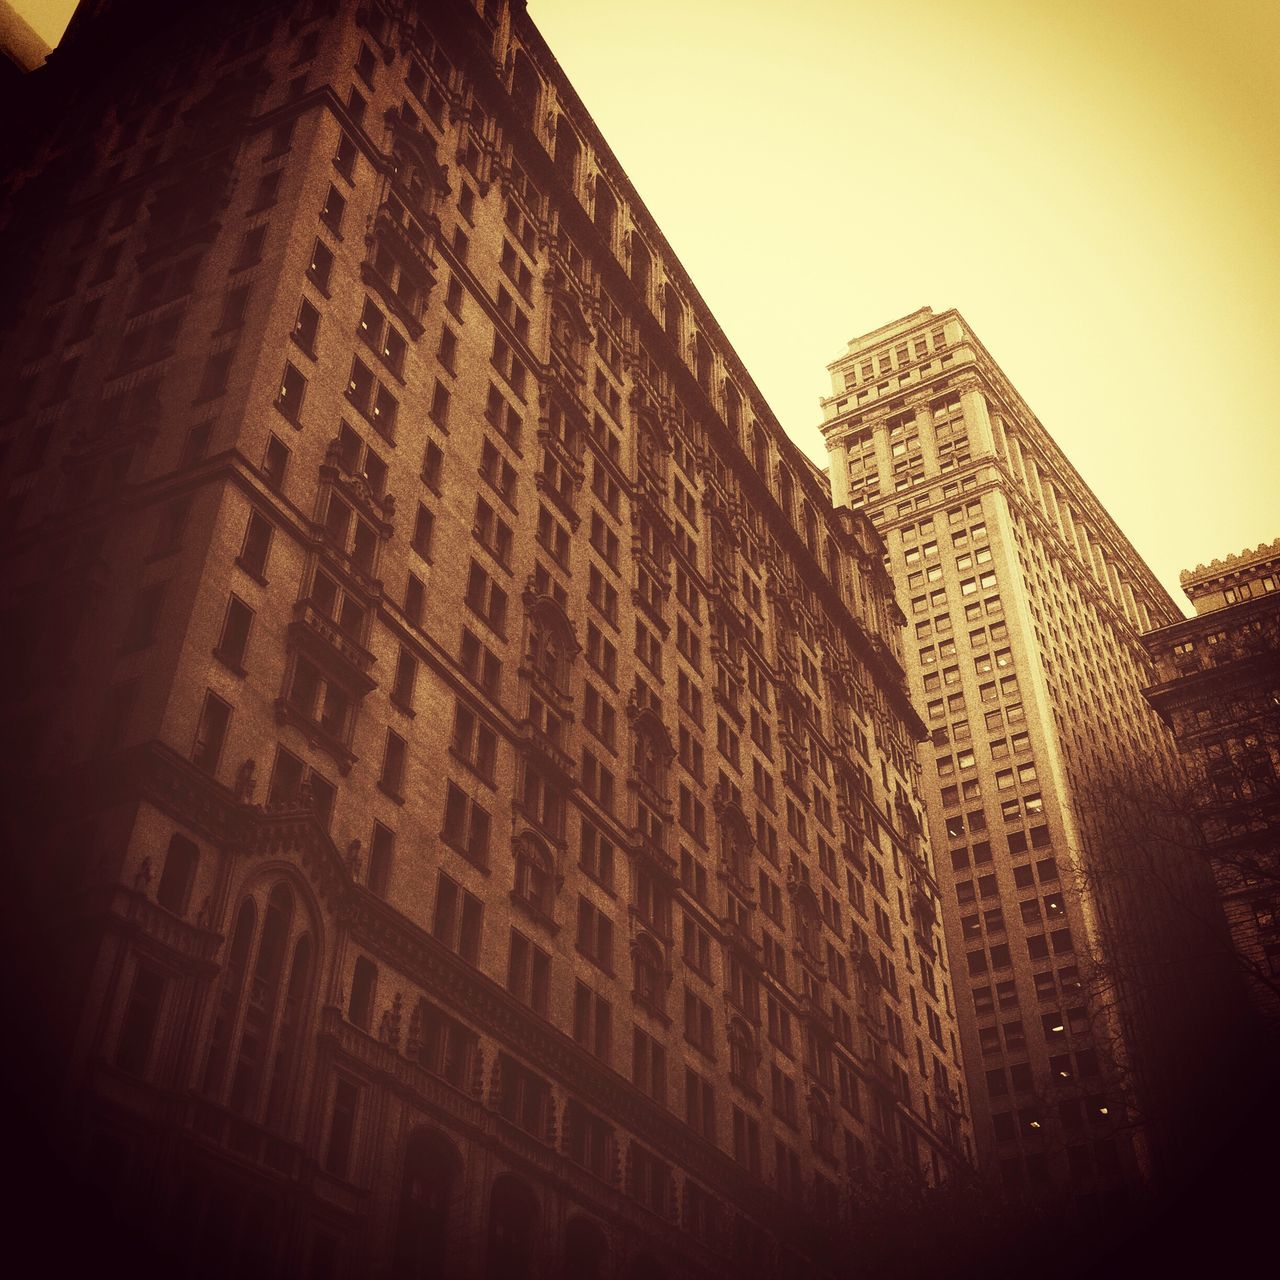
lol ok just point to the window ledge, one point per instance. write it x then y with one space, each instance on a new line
306 351
293 422
388 791
462 851
252 572
234 667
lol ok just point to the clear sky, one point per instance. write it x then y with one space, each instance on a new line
1095 185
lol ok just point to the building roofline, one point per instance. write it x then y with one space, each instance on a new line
1245 559
1078 486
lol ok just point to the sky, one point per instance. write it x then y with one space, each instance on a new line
1095 185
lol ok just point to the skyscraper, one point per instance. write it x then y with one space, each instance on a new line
1025 605
467 770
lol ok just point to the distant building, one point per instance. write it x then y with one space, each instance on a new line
470 776
21 50
1217 685
1025 604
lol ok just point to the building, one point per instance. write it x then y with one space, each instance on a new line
1025 606
21 49
462 758
1217 686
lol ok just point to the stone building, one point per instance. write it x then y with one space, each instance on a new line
1217 685
468 772
1025 606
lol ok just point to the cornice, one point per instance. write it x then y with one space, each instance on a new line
1264 553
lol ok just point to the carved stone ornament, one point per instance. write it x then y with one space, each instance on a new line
246 783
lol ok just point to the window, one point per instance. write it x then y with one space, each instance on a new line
180 863
391 779
293 387
474 741
321 266
217 369
405 678
423 528
364 981
260 1010
275 462
342 1127
595 935
306 327
250 251
649 1066
698 1023
466 825
458 919
335 205
588 1142
596 855
234 638
432 466
344 159
481 667
141 1016
211 733
498 472
439 410
592 1021
486 599
529 973
699 1102
381 849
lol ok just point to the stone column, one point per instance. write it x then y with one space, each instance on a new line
977 419
838 464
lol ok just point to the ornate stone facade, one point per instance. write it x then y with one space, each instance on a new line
470 770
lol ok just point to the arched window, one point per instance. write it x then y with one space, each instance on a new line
786 493
513 1214
641 266
526 88
672 315
732 408
174 891
568 148
585 1250
535 877
551 645
760 451
650 452
650 983
606 211
428 1192
810 529
288 1049
262 1007
807 927
364 981
650 760
742 1055
833 566
736 841
703 363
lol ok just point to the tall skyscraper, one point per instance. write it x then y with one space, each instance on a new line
468 772
1025 605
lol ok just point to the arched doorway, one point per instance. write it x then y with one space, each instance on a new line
428 1191
513 1215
